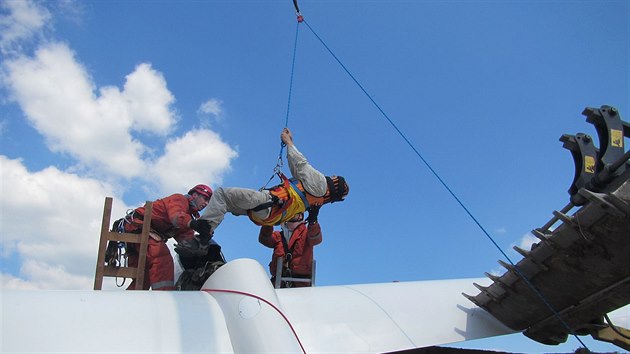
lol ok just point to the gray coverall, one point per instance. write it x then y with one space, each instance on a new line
239 200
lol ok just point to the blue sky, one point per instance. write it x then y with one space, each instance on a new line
141 99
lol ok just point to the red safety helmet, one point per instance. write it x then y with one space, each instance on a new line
201 189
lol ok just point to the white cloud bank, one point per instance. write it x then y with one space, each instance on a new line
50 219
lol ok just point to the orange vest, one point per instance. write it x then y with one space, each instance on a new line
292 199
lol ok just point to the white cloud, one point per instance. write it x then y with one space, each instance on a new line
149 100
198 157
72 10
56 95
7 281
212 106
48 275
52 220
23 21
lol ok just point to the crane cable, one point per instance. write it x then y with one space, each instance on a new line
278 168
450 191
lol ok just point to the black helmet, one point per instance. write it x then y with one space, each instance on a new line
337 188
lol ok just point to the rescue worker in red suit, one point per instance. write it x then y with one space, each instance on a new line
294 243
271 206
174 216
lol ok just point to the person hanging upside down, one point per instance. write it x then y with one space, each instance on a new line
271 206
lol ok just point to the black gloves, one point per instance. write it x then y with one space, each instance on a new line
201 226
198 245
313 211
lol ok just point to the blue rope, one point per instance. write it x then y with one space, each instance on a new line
536 291
297 30
278 167
286 121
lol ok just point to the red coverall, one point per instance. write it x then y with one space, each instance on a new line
170 218
300 246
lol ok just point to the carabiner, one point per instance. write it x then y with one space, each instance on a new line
300 18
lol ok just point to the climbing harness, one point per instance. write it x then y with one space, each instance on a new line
286 260
289 199
116 254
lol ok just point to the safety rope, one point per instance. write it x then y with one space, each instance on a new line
278 168
450 191
121 259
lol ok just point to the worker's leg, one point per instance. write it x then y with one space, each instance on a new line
132 261
313 181
234 200
161 268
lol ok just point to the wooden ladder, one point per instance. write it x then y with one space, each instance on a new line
142 239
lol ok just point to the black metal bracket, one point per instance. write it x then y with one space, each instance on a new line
584 156
594 167
610 130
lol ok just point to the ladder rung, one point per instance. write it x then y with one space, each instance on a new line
124 237
278 281
301 280
120 272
